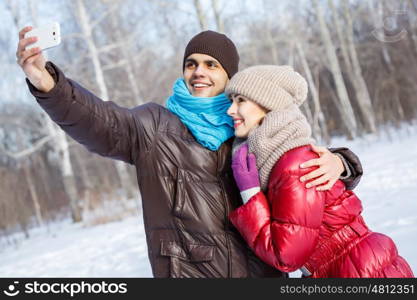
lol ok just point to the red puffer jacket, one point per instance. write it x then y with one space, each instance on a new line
322 231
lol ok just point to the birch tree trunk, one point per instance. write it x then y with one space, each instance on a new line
86 181
86 28
218 18
291 54
362 93
33 193
379 31
386 57
44 178
319 123
345 107
200 15
271 44
339 32
127 55
60 146
411 19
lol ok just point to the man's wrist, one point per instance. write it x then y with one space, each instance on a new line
347 172
46 83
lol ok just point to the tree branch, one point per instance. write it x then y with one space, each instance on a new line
28 151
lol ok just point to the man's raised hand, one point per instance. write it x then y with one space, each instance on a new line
33 62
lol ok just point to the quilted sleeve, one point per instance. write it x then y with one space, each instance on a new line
282 229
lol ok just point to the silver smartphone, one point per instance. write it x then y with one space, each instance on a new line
48 36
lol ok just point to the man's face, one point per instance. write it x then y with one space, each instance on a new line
204 75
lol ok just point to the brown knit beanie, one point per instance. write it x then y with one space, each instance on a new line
216 45
273 87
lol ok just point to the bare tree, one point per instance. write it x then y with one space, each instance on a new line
378 19
60 145
345 107
87 30
217 17
339 32
33 193
362 94
319 123
379 33
201 17
353 67
127 58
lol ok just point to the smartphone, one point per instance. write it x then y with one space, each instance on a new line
48 36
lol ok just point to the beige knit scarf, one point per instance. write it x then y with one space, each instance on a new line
280 131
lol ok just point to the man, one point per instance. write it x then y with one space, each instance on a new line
182 154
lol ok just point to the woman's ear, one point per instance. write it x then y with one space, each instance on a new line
266 111
261 121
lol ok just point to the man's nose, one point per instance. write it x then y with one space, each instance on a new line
199 71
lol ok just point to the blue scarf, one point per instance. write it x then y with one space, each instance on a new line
206 118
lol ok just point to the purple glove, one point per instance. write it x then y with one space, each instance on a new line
244 169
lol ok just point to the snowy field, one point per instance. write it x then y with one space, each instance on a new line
388 191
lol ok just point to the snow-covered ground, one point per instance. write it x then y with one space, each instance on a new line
388 191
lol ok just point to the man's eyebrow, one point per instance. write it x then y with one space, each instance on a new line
211 61
206 61
191 60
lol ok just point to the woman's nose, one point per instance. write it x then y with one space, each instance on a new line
232 109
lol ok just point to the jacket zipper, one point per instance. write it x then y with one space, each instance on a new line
226 206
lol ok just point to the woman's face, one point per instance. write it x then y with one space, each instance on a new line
246 114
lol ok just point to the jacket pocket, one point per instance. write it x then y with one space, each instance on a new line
180 193
185 263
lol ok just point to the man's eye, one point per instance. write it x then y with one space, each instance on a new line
211 65
189 65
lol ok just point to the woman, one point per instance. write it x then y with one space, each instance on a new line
287 225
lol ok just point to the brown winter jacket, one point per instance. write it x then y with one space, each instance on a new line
187 190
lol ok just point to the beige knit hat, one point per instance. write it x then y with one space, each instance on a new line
273 87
